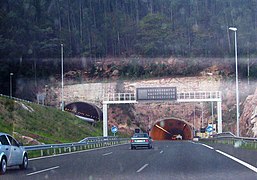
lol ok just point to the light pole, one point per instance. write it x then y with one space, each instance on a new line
62 75
237 91
11 74
45 94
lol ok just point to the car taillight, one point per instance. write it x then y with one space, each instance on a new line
132 140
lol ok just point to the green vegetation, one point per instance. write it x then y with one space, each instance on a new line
158 28
45 124
250 145
31 33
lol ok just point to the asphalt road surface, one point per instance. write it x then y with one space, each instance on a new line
167 160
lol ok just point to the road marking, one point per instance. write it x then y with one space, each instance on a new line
75 152
44 170
106 154
161 152
239 161
207 146
143 167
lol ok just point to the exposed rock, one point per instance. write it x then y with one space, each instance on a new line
27 140
23 106
248 118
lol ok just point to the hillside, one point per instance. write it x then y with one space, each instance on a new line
33 124
152 28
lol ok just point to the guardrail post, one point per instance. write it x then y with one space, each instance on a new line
60 150
54 151
42 153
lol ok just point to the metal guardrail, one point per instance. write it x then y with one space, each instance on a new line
199 95
224 134
90 142
17 99
231 139
120 97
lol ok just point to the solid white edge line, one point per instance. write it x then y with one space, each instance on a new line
44 170
106 154
143 167
239 161
207 146
75 152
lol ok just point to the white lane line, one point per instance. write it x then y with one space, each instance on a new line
44 170
106 154
161 152
64 154
239 161
207 146
143 167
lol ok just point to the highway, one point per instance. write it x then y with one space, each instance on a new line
182 160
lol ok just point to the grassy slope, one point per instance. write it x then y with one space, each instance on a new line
45 124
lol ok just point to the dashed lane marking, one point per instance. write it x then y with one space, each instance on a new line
143 167
75 152
44 170
106 154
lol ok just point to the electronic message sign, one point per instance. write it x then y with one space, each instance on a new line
157 94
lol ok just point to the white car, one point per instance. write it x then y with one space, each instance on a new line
11 153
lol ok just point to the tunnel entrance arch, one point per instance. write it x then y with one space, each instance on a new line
182 97
171 129
86 111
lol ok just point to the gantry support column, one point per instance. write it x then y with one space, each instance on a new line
219 113
105 120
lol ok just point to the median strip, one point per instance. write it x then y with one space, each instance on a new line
143 167
44 170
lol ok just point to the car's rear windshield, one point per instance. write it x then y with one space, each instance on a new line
140 135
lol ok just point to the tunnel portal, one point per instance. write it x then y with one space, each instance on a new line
86 110
171 129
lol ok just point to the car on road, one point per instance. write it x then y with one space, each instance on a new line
141 140
176 137
12 153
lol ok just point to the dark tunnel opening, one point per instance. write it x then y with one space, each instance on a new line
171 129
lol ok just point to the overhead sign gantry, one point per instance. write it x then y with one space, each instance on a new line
161 94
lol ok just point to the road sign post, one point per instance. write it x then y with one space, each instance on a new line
114 130
209 129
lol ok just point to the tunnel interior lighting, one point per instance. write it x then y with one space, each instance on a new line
156 125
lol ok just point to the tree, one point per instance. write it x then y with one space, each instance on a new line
153 35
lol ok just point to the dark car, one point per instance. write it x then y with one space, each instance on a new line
141 140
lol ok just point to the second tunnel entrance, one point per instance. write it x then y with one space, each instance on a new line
171 129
